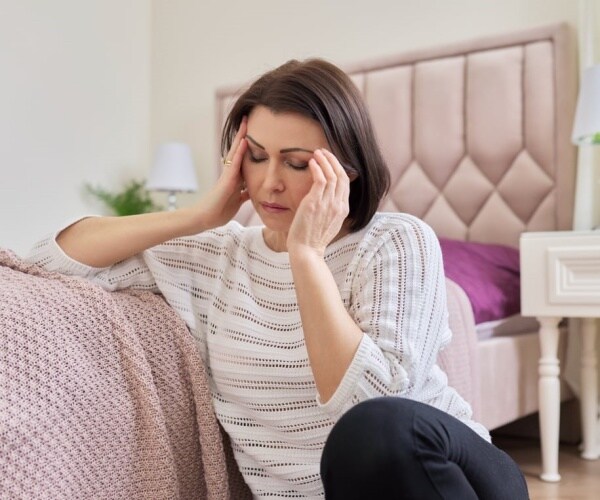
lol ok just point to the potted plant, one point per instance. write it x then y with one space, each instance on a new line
132 199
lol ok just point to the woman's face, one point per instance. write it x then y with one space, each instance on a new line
275 166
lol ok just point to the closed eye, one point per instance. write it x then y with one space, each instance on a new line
297 166
255 159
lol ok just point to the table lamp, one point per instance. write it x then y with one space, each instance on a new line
586 127
173 171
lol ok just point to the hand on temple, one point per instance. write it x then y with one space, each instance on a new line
226 197
322 212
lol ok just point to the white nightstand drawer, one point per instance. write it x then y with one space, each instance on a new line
560 273
573 275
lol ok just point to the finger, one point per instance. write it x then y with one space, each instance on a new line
341 190
319 180
349 171
337 167
323 160
240 134
343 184
238 156
231 171
329 173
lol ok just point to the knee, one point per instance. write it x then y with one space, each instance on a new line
372 434
373 414
371 452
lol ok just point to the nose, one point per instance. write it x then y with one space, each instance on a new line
272 180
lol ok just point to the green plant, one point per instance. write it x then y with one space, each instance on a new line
132 199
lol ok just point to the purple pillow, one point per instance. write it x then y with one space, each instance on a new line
488 273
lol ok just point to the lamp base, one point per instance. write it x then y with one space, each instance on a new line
172 199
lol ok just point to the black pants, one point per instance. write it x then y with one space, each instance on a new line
395 448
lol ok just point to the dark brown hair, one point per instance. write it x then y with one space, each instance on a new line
321 91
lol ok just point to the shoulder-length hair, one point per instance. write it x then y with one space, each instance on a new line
321 91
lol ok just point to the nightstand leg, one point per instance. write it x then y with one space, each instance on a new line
589 389
549 397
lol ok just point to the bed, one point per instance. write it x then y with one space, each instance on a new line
477 137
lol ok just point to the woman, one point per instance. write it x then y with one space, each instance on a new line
317 317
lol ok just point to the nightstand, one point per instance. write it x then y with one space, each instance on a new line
560 277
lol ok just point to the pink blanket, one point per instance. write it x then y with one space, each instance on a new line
102 395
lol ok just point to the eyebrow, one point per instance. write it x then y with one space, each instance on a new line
285 150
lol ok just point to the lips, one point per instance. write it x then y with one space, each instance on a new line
273 208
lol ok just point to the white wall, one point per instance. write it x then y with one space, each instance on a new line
88 88
200 45
74 107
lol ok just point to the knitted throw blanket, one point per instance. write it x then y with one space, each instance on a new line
102 395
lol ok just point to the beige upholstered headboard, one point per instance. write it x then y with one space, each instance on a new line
476 134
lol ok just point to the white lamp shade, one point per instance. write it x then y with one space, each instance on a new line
173 169
586 128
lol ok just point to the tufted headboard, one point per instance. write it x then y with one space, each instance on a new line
476 134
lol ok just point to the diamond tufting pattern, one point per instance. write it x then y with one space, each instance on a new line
470 139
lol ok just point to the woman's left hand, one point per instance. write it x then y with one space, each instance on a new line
324 209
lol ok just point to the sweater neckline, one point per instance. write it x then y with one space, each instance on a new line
283 257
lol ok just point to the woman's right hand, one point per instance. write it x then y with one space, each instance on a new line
227 196
103 241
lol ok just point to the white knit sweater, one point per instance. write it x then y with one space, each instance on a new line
238 299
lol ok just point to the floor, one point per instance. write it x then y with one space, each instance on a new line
580 478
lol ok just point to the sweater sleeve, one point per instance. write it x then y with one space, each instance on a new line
399 302
129 273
